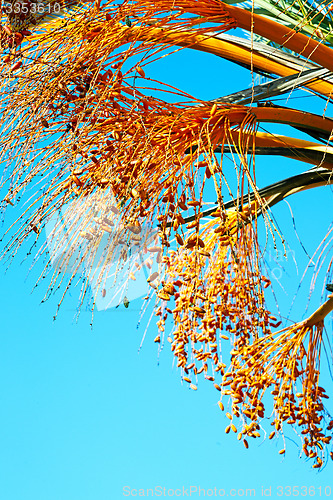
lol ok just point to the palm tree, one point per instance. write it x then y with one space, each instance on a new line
82 121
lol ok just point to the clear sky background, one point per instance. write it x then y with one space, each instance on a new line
84 415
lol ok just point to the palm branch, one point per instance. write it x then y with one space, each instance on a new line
76 113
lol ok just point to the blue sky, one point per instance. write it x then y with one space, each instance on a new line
83 415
